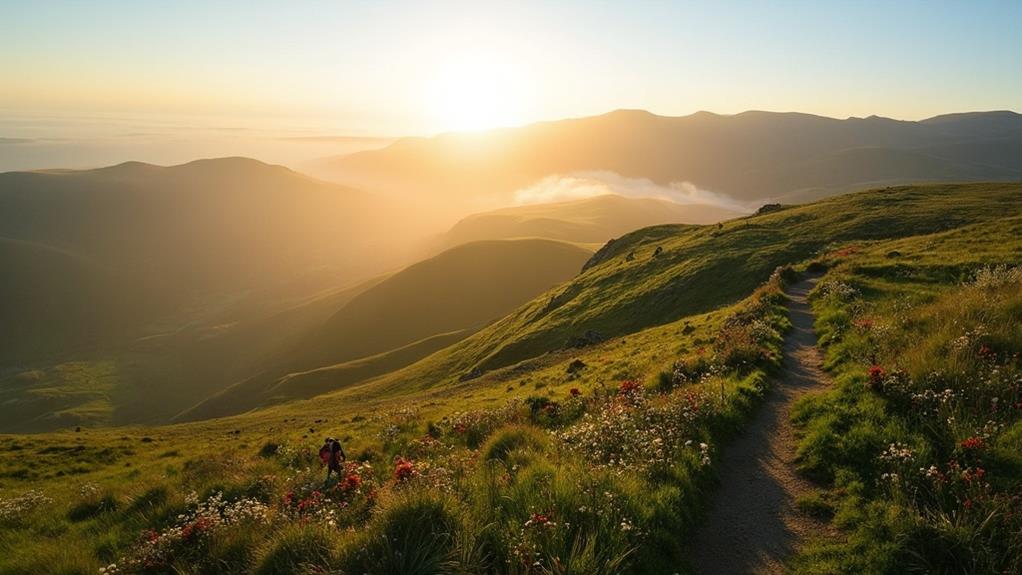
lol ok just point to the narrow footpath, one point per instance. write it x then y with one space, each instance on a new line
752 524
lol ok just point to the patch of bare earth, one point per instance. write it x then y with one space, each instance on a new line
752 524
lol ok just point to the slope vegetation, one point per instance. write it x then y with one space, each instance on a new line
407 316
659 274
600 457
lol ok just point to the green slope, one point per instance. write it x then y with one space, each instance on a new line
52 299
701 268
907 250
405 317
463 287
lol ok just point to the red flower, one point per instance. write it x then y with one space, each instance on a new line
629 387
194 529
351 482
985 351
289 498
460 428
404 469
876 375
539 519
973 443
575 392
967 503
864 324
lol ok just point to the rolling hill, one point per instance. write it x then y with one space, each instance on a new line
409 315
588 220
526 435
752 156
172 282
628 286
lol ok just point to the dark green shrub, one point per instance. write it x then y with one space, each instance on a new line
415 534
296 548
511 438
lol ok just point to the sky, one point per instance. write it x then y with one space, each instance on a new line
319 70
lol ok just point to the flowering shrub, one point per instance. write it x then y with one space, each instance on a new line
14 507
404 469
638 434
190 531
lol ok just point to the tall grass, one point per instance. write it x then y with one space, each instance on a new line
921 435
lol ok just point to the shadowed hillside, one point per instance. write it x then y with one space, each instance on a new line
407 316
750 156
51 299
172 282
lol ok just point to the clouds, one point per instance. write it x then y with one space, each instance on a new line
577 185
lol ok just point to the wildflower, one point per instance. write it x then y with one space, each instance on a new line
575 392
404 469
876 375
540 520
864 324
985 351
973 443
629 387
351 482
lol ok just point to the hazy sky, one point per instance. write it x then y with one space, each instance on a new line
399 68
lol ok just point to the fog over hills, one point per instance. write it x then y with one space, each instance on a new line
587 220
753 156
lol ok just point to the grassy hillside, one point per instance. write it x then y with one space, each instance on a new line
589 220
153 378
750 156
405 317
550 460
172 281
917 445
701 268
53 299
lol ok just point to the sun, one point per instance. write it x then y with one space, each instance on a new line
470 92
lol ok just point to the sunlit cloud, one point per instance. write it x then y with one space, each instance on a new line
578 185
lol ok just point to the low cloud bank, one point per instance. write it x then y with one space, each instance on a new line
578 185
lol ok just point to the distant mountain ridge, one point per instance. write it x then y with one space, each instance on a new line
752 156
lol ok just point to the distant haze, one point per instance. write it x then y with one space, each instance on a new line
580 185
34 142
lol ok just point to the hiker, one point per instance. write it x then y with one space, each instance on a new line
332 455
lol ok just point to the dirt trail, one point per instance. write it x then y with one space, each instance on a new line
752 524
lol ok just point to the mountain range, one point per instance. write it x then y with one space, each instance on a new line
753 156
